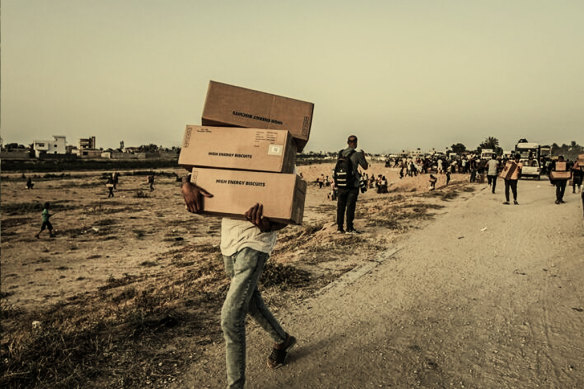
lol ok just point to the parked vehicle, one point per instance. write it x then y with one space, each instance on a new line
529 157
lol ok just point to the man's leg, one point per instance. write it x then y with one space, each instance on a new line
341 206
493 183
264 317
351 205
507 185
562 190
514 189
244 269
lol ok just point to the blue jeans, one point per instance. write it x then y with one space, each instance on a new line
244 269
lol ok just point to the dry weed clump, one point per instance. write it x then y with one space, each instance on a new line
283 276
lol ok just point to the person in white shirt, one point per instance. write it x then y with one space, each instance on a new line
492 171
246 245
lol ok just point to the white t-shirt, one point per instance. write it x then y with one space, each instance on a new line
492 165
238 234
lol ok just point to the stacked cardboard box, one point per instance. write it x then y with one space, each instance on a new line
243 166
228 105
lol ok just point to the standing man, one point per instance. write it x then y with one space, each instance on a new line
246 246
492 168
512 172
347 179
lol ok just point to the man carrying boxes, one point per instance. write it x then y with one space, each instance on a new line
559 176
247 175
511 173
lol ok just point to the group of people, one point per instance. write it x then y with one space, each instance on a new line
511 172
114 178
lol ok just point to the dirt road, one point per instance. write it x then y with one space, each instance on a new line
486 296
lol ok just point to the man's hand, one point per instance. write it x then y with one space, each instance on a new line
255 216
193 196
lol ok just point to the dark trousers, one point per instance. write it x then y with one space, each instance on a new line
492 181
347 200
513 185
560 189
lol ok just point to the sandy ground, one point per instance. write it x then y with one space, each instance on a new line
448 288
486 296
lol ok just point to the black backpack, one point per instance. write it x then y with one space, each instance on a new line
343 174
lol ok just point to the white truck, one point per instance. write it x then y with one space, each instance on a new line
487 154
529 153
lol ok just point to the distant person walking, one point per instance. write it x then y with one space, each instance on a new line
492 170
115 179
511 174
151 182
433 180
346 177
110 187
577 175
29 184
45 215
559 166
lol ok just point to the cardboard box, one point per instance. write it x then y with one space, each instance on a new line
509 170
561 166
560 175
236 191
228 105
238 148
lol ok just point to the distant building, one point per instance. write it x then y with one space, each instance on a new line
90 153
87 143
56 146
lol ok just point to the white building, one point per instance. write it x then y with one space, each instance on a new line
56 146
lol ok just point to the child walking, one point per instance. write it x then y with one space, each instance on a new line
46 223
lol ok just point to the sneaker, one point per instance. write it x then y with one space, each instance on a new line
353 231
562 202
340 231
506 203
557 202
515 202
278 356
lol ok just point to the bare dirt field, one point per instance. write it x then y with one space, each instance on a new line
128 293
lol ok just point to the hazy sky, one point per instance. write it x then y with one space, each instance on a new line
398 74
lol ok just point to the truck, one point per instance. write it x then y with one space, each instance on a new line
529 157
487 154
